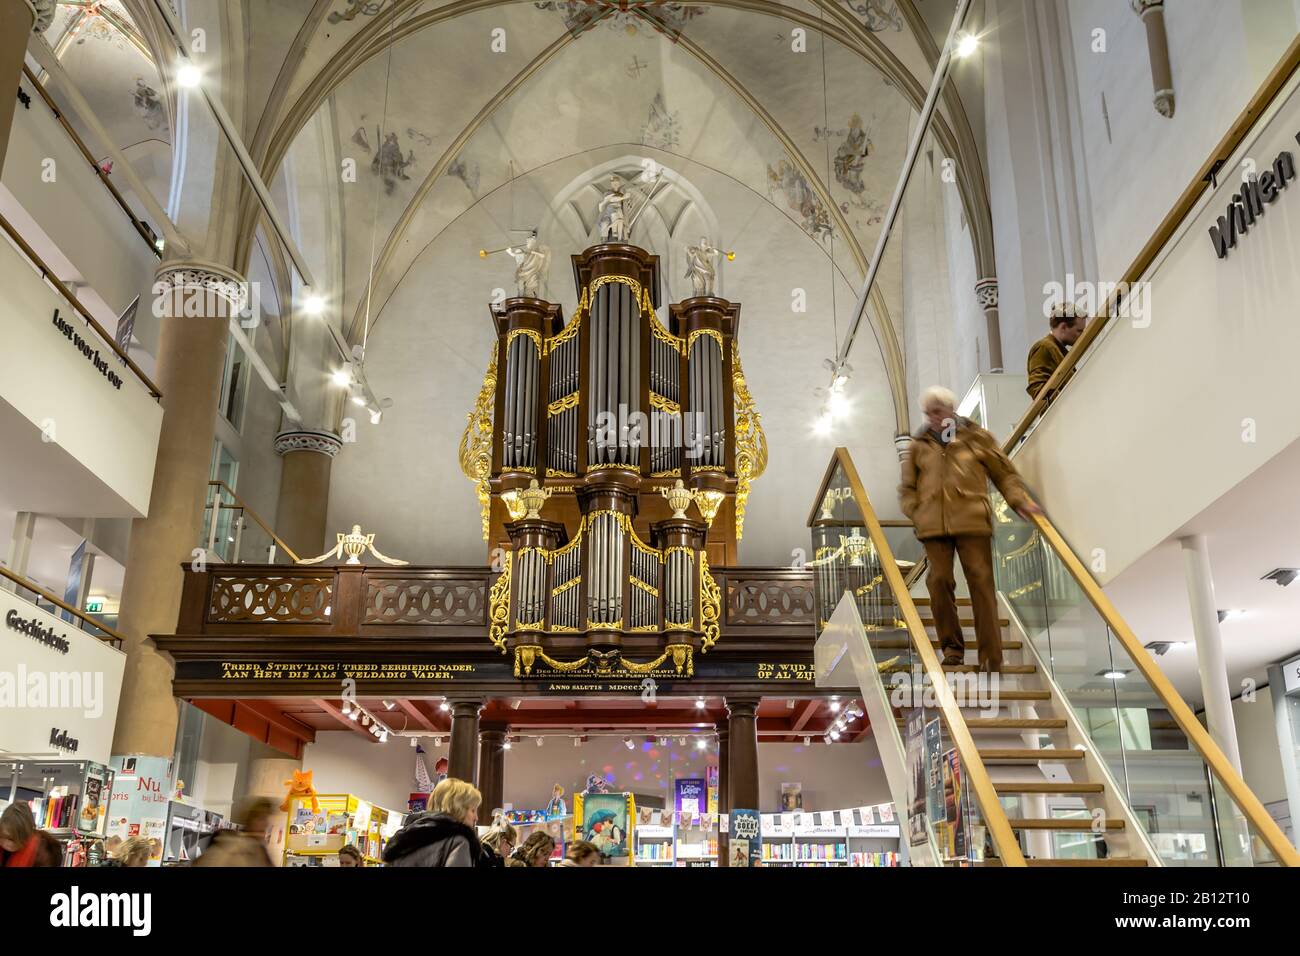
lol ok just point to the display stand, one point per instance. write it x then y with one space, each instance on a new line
315 838
697 840
189 831
876 844
655 845
69 798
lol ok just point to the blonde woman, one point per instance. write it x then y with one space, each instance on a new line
444 834
134 851
498 843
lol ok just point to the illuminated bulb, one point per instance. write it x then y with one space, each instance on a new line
835 735
383 737
444 707
838 405
835 705
189 75
506 745
701 744
353 715
389 705
807 741
699 703
342 377
627 742
414 742
160 244
967 44
539 741
346 710
375 416
313 305
822 424
359 400
577 741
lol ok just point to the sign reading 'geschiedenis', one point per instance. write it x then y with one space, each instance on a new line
35 630
89 351
1246 206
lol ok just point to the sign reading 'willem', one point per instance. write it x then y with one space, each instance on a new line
1246 206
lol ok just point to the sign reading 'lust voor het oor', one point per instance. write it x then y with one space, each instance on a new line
90 353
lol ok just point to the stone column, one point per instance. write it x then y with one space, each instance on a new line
1152 13
306 457
197 302
742 753
17 23
986 293
1219 720
491 770
20 550
463 757
723 806
268 769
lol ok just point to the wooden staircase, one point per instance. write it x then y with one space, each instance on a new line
1023 740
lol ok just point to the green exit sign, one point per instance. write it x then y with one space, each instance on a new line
94 607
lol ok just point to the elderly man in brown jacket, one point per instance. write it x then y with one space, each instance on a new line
944 492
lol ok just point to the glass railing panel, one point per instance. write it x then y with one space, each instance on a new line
939 814
1189 817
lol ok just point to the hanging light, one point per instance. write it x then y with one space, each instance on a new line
444 707
539 741
506 745
835 705
313 304
189 76
342 377
701 744
807 741
699 703
967 43
627 742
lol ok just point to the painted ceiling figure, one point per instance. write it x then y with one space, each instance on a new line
532 262
700 266
851 156
389 162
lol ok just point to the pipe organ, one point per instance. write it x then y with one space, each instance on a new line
596 416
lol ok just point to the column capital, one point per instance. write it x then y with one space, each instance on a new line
308 439
986 293
198 276
465 706
44 11
1144 7
742 707
902 443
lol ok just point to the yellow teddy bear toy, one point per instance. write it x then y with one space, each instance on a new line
300 786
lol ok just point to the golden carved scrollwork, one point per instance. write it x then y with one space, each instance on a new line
712 333
658 331
561 404
499 607
751 441
664 404
710 605
531 333
476 442
606 663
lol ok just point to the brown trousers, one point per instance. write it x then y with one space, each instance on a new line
976 554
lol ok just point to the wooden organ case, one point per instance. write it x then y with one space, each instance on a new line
601 415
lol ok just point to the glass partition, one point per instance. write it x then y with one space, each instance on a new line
1187 813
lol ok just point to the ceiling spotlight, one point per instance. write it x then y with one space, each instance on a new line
388 704
375 416
313 305
437 741
627 742
506 745
1282 576
681 741
359 400
577 741
383 737
967 44
539 741
444 707
838 404
1228 615
827 739
353 715
699 703
807 741
342 377
835 705
415 742
835 735
160 244
822 424
189 75
1113 674
347 709
701 744
365 720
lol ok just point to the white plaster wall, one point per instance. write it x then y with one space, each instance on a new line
345 762
221 772
1261 759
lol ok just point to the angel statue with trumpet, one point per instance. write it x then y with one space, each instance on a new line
532 261
614 223
701 266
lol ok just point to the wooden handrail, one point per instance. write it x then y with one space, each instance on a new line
995 818
1244 797
1183 206
60 603
136 221
81 310
239 503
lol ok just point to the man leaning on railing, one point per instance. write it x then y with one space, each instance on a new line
946 471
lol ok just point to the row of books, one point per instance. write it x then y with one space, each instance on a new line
805 851
885 858
55 812
655 851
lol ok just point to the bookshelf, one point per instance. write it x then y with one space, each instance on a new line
69 798
315 838
655 845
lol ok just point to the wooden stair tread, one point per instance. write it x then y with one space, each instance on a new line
1011 723
902 643
961 601
1061 823
966 621
1017 753
1006 668
1046 786
1109 861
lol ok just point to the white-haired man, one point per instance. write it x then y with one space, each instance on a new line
946 471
